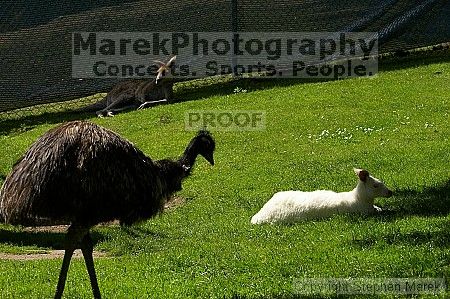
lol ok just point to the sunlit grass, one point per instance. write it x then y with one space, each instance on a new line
396 125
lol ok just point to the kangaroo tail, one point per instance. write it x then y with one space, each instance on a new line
101 104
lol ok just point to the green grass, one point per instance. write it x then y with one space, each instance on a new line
396 125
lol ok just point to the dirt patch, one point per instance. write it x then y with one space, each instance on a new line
62 228
173 203
51 254
46 229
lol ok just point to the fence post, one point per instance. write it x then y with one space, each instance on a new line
234 30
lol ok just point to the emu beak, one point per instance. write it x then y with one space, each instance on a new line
209 157
389 194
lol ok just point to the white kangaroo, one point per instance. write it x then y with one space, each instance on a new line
293 206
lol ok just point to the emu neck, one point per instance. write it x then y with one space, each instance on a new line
190 155
172 174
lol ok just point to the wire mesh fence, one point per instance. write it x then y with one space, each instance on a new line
36 36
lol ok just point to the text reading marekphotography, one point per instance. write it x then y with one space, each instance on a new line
369 286
201 54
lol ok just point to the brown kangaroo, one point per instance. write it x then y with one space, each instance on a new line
137 94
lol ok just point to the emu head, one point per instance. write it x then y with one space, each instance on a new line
205 145
165 69
371 186
174 171
202 144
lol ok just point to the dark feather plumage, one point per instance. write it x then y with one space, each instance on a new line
83 174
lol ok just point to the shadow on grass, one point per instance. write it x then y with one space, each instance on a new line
188 91
208 87
295 296
440 238
226 87
29 122
50 240
216 87
413 60
130 238
431 201
141 232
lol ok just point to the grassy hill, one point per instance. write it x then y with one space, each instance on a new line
396 125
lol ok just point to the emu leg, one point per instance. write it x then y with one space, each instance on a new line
87 248
63 274
72 240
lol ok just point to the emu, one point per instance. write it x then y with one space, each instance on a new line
82 174
292 206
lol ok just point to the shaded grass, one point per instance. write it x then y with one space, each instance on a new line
12 237
395 125
192 90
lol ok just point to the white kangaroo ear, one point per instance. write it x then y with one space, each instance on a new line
362 174
171 61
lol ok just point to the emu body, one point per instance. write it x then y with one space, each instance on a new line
82 174
293 206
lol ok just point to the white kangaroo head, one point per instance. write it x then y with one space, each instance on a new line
165 69
371 186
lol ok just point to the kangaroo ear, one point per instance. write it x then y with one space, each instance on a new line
171 61
160 63
362 174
